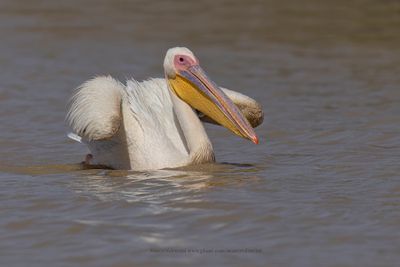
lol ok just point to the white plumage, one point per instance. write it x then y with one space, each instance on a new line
149 135
142 125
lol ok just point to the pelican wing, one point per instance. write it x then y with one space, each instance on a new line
94 111
250 108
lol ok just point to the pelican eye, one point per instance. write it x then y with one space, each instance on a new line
181 59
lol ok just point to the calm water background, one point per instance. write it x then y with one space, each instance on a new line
321 189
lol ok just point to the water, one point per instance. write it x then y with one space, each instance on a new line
321 189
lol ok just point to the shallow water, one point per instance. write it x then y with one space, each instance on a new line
321 189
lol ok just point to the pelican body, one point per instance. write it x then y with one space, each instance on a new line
157 123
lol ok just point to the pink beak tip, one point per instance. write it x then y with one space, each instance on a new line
255 140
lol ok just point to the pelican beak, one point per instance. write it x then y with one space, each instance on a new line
197 90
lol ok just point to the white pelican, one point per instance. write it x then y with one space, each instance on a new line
155 124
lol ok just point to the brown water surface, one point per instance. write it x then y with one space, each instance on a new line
321 189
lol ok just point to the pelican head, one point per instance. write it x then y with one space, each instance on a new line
190 83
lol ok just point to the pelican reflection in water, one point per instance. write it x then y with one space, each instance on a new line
157 123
